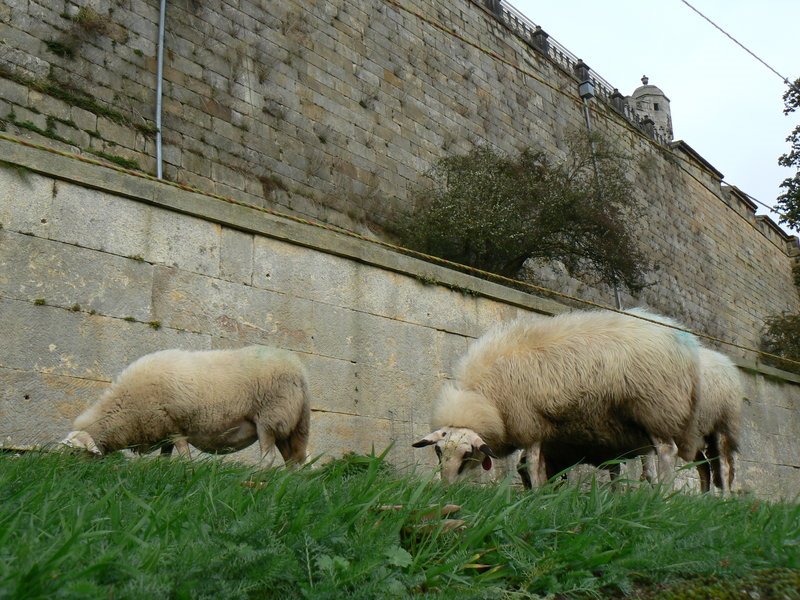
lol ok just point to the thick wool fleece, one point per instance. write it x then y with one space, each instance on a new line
588 377
220 400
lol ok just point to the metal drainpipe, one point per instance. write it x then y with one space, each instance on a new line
159 87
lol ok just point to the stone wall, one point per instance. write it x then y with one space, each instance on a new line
333 110
98 268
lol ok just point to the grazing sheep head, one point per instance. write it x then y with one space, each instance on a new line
82 440
460 451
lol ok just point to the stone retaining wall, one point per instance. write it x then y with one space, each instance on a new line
98 268
333 110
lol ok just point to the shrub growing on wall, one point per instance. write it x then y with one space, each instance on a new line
782 337
494 211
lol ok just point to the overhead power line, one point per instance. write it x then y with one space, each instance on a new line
745 48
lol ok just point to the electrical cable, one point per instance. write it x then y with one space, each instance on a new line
745 48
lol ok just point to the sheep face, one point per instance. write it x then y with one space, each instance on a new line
460 452
81 440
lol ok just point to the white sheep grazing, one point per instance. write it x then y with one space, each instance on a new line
217 400
589 377
717 420
717 424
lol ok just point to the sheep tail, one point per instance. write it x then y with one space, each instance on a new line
293 448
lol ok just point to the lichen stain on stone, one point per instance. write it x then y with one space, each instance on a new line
70 410
68 362
228 324
296 335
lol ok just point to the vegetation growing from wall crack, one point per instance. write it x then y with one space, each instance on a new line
126 163
74 96
494 211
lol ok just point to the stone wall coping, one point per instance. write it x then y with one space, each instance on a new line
695 156
253 220
762 369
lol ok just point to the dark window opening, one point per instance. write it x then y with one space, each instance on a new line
656 105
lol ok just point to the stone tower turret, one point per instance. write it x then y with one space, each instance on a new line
648 102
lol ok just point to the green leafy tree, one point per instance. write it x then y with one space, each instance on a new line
782 333
494 211
789 201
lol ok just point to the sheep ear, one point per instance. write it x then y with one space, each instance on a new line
92 447
429 439
487 451
82 440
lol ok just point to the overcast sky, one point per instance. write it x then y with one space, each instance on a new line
725 104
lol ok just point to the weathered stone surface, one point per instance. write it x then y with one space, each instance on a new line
377 335
347 113
111 224
25 201
236 257
195 303
337 434
49 401
58 341
346 387
71 277
335 280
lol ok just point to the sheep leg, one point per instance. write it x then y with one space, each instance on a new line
266 442
667 452
536 466
166 449
649 467
724 474
703 471
727 456
522 469
614 472
293 448
182 446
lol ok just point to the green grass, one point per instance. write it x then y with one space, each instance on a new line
126 163
74 527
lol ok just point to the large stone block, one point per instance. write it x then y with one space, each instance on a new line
195 303
342 282
25 201
334 435
777 482
355 388
73 277
236 256
38 408
57 341
127 228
